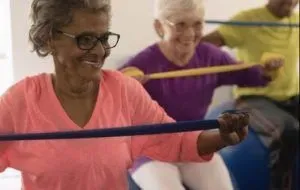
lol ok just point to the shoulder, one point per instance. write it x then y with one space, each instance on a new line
246 15
142 58
117 80
120 86
210 50
206 47
25 90
214 55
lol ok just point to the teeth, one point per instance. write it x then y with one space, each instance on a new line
94 64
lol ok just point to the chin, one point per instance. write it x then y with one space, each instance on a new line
186 49
96 75
286 13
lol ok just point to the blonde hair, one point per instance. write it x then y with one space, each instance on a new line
166 8
47 15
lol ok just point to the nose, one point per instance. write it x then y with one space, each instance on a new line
189 32
99 50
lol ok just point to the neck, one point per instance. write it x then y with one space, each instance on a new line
178 58
72 88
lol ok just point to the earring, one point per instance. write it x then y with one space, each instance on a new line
52 52
161 34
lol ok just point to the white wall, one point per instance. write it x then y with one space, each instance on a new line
132 19
5 48
24 61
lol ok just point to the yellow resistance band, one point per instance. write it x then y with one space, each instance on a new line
135 72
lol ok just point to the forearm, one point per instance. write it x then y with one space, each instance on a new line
214 38
209 142
253 77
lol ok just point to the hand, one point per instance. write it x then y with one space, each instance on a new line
142 79
233 127
273 64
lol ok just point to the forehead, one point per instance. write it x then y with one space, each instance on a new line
187 16
89 21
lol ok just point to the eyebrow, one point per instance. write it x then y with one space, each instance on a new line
88 33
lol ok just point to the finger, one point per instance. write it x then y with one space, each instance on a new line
144 79
228 122
224 122
280 62
245 119
236 120
242 120
273 64
277 64
141 79
242 133
138 78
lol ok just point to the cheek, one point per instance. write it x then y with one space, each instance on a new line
171 37
198 37
176 38
68 55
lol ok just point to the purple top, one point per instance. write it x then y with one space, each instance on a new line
188 98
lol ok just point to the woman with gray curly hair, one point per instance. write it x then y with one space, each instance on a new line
80 95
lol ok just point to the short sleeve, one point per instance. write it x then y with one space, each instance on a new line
169 147
233 35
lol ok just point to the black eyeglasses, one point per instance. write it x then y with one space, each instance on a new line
88 41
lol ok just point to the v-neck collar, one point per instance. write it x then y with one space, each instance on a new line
57 107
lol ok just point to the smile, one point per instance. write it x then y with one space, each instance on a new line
94 64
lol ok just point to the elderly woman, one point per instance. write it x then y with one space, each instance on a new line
179 24
80 95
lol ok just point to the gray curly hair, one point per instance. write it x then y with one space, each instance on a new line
49 14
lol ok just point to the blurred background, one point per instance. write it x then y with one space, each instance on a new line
132 19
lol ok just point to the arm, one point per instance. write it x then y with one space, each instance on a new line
6 127
168 147
251 77
228 35
136 62
179 147
214 38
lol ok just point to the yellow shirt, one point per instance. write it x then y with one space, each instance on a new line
251 42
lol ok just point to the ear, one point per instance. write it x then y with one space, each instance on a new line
158 28
51 46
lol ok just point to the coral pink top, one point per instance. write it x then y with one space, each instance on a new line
90 164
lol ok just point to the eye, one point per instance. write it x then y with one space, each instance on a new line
180 25
104 39
87 40
198 25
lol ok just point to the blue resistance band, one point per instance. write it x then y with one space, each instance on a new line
256 23
118 132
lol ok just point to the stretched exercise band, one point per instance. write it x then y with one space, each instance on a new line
135 72
117 132
199 71
252 24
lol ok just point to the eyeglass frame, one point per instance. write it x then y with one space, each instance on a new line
174 25
76 38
